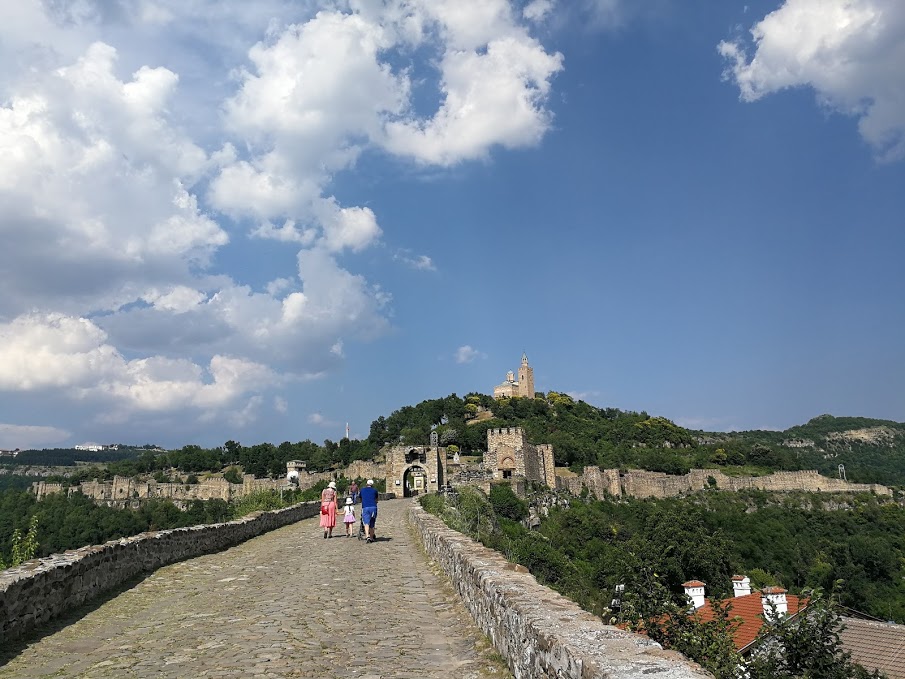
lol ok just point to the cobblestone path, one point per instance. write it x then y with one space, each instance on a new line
285 604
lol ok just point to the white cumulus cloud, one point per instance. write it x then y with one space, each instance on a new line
467 354
54 352
139 165
850 52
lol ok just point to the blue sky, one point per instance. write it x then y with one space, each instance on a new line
260 221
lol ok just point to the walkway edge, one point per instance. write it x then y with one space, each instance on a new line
42 589
539 632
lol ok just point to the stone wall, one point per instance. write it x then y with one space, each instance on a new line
641 483
362 469
534 463
538 632
40 590
397 466
123 490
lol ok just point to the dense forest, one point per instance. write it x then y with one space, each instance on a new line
797 540
851 546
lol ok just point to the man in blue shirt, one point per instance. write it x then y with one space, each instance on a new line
369 508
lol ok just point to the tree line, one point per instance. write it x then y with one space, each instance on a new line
581 435
853 553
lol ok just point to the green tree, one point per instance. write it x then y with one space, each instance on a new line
506 503
651 608
23 547
232 475
805 646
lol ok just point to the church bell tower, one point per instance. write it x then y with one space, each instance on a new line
525 379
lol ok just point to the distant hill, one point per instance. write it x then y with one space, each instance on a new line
871 450
67 457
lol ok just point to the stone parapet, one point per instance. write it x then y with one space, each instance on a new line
42 589
538 632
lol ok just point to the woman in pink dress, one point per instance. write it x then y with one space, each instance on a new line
328 509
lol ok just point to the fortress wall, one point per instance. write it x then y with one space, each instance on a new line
573 484
545 451
310 479
42 489
511 437
40 590
641 483
533 463
362 469
537 631
599 482
122 489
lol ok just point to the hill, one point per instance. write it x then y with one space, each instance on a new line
872 451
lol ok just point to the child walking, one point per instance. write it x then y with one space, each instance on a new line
349 517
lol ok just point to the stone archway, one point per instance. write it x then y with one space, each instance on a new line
414 481
507 467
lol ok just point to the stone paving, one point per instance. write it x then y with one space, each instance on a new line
285 604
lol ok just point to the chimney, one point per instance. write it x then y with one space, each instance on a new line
776 596
741 585
694 590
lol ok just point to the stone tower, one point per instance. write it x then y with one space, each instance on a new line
525 378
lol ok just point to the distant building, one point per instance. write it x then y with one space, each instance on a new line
524 386
9 453
294 469
96 447
510 456
412 470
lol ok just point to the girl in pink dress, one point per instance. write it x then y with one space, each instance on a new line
328 509
349 516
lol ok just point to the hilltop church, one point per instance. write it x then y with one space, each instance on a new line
523 387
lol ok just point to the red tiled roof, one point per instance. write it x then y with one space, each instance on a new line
749 609
694 583
738 577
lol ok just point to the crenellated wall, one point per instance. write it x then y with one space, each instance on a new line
641 483
123 490
40 590
508 451
537 631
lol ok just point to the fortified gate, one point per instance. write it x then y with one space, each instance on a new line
412 470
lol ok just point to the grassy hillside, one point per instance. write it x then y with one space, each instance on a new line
873 451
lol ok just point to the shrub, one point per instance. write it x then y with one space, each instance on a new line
232 475
506 503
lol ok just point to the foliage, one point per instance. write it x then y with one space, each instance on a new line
262 501
805 646
506 503
232 475
802 540
651 608
865 461
23 547
58 522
